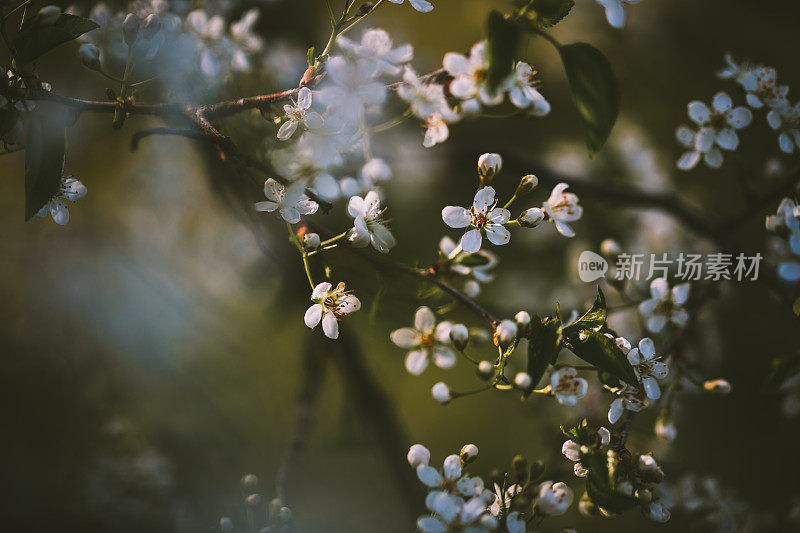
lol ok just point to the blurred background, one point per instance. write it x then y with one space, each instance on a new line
153 348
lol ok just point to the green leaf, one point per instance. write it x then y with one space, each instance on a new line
474 260
601 351
548 13
45 147
594 90
37 39
593 320
504 35
544 346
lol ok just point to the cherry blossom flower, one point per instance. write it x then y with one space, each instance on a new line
450 479
424 99
572 451
786 119
70 190
689 159
615 11
522 91
350 87
298 113
292 203
329 305
567 387
718 127
427 340
423 6
376 52
244 42
647 369
484 217
562 207
628 397
436 130
665 305
553 498
456 514
369 226
469 75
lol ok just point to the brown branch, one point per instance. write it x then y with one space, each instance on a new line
431 276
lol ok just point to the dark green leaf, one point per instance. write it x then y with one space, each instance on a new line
543 347
594 90
475 260
593 320
548 13
503 37
37 39
601 351
45 147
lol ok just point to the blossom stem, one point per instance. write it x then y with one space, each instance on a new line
23 4
333 240
511 201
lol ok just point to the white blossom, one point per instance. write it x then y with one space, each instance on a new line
567 387
553 498
369 224
441 392
436 130
423 6
530 218
298 113
427 341
451 479
647 368
717 128
350 87
786 120
470 79
562 207
572 451
376 53
615 11
69 190
329 305
291 202
489 165
506 333
418 455
628 397
523 380
483 217
375 171
425 99
665 305
523 93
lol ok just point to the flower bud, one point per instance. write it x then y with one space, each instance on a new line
530 218
505 333
441 392
364 9
249 483
472 288
253 500
523 320
523 380
459 336
527 184
717 386
485 369
658 512
665 429
376 170
646 463
130 29
470 108
520 466
225 525
311 241
468 453
644 495
90 56
152 25
418 455
488 166
49 15
610 248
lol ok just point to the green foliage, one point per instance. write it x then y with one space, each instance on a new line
544 346
474 260
595 91
547 13
586 338
45 148
36 39
504 36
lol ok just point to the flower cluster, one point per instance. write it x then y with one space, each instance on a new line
786 222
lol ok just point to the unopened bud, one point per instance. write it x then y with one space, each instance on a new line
253 500
130 29
152 25
468 453
520 466
470 108
249 482
90 56
49 15
530 218
441 392
527 184
717 386
418 455
376 170
311 241
459 336
523 380
523 320
364 8
644 495
472 288
610 248
488 166
225 525
485 369
665 429
505 333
